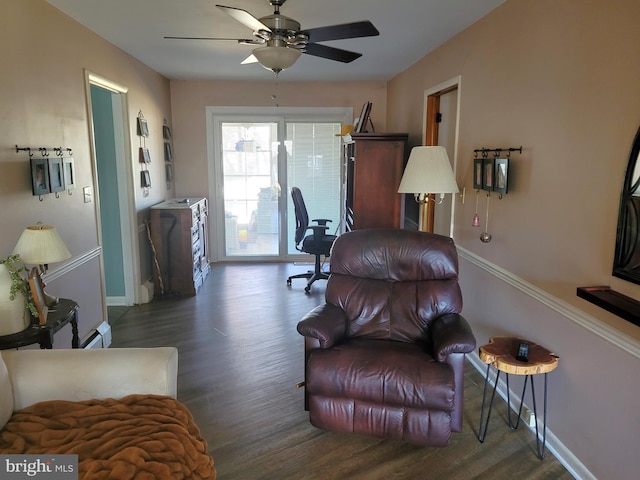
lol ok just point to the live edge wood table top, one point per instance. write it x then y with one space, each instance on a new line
501 353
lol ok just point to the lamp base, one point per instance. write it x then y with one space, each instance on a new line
50 300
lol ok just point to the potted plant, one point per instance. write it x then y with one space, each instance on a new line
16 304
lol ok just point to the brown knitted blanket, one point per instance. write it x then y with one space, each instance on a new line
137 437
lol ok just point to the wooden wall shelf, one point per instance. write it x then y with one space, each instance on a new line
612 301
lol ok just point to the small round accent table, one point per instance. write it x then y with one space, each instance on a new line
501 352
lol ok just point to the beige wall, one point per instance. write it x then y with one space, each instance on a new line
42 104
189 99
560 78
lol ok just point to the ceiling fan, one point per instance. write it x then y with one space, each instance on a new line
280 41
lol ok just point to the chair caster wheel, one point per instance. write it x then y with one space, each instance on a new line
289 281
307 289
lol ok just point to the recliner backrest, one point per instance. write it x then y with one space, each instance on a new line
302 217
393 283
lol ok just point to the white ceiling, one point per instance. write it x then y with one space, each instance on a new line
409 29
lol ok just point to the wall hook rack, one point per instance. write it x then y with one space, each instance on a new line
44 151
491 173
496 151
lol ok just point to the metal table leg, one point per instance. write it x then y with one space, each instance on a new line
483 433
540 449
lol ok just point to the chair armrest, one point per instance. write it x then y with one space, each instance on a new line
74 375
451 334
321 221
327 323
318 230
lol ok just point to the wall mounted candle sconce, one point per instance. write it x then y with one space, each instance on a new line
491 174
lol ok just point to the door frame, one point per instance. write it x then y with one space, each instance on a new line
126 201
214 152
430 138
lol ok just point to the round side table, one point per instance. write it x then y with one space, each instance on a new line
501 353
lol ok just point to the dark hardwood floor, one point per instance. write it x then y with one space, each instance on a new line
239 360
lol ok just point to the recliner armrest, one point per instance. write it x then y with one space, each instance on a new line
451 334
327 323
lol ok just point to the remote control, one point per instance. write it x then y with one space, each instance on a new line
523 352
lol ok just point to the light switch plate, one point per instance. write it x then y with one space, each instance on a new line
88 194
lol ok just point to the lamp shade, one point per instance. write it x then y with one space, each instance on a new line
428 171
41 245
276 59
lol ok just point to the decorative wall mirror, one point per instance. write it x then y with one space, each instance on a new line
626 263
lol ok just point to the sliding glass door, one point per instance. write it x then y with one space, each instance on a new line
251 188
313 165
259 158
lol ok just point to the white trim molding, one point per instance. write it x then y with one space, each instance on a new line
74 263
603 330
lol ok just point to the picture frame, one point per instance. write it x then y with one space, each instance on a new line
361 124
144 155
143 127
477 174
168 168
145 179
69 173
488 175
36 286
168 157
166 132
501 183
39 176
56 178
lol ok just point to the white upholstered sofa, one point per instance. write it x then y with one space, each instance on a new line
128 377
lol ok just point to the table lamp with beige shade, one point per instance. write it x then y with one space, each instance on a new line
41 245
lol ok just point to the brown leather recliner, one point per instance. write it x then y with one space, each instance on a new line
384 356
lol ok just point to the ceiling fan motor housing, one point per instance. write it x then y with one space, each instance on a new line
285 32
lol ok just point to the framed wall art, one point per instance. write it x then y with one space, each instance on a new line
361 124
145 179
143 127
37 292
501 175
488 169
145 156
39 176
477 173
56 179
69 173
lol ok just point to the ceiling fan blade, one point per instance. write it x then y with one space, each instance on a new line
340 32
250 59
239 40
245 18
324 51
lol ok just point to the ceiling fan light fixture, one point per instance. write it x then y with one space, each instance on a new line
276 59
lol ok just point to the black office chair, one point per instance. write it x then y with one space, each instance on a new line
317 244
